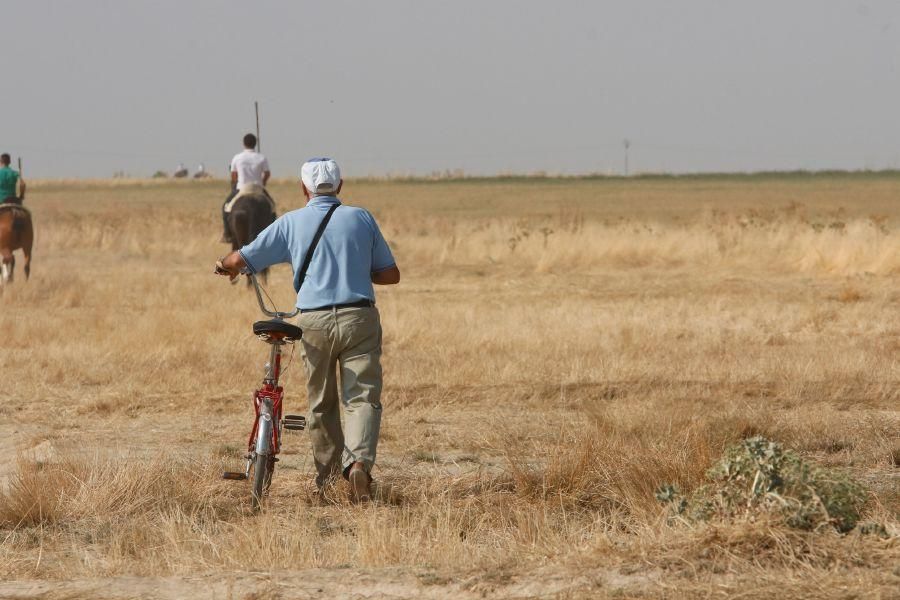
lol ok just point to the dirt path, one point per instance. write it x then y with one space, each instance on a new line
333 584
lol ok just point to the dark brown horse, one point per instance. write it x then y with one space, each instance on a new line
16 233
249 215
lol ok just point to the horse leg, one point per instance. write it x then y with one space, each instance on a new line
27 268
7 265
27 240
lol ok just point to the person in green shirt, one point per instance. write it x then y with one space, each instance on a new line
8 180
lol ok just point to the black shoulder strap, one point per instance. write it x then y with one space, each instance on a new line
315 242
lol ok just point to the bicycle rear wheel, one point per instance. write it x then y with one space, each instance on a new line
263 469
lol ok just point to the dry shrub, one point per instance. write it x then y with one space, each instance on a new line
768 544
37 493
601 469
758 478
79 489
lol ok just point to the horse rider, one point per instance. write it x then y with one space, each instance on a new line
340 323
248 168
9 179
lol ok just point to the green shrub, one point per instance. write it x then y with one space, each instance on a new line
758 477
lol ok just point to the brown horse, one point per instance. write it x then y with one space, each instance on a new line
16 232
249 215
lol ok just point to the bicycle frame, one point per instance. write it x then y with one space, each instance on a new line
266 434
267 408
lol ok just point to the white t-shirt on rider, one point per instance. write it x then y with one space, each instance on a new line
249 166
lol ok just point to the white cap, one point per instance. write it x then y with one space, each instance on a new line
320 176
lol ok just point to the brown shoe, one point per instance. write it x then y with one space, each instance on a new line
359 484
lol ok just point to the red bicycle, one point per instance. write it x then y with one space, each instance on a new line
264 442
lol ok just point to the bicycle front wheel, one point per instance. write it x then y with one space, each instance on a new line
263 469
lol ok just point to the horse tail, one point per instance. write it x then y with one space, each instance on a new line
258 219
237 221
252 223
20 221
258 216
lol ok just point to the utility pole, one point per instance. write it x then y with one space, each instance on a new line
627 144
258 143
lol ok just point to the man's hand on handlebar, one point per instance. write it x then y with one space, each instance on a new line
221 270
230 265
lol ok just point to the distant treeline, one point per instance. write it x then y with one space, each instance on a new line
461 177
458 175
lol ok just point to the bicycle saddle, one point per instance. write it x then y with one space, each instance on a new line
277 330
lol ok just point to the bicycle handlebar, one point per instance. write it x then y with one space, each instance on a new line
220 270
262 305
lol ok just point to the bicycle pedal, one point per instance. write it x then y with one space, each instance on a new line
234 475
294 422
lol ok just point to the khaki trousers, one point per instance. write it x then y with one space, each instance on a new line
349 339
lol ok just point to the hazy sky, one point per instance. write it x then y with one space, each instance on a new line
403 87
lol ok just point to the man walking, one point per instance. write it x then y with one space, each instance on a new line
341 326
248 168
9 180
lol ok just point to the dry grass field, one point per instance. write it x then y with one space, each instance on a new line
557 351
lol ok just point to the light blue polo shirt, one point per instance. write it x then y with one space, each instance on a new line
350 250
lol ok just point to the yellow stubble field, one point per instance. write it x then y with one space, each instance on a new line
557 350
